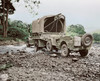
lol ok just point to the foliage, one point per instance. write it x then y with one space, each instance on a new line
18 24
19 33
96 37
4 39
1 32
16 30
75 30
31 5
5 66
6 8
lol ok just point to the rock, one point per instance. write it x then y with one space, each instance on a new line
23 51
44 49
4 77
53 55
7 52
18 50
91 54
50 66
10 53
75 59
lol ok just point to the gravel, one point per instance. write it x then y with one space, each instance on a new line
41 66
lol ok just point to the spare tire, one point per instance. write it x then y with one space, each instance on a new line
87 40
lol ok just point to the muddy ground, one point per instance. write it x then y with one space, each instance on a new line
22 64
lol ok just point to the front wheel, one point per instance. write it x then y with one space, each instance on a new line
49 46
83 53
64 50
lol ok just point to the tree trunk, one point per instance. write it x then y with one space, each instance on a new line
6 26
4 18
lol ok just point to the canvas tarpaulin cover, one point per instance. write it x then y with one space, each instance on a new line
52 23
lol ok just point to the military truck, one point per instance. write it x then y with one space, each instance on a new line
50 32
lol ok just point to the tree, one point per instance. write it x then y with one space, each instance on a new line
76 30
6 8
31 5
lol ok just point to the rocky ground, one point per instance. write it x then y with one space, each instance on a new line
18 63
11 42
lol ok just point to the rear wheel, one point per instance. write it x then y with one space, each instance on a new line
28 45
36 48
64 50
83 53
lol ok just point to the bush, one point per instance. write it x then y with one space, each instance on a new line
19 33
96 37
72 34
16 30
75 30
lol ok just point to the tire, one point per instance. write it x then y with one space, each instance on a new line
64 50
83 53
28 45
56 49
49 46
36 48
87 40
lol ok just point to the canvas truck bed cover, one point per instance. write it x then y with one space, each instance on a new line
51 23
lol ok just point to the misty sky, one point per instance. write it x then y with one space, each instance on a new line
85 12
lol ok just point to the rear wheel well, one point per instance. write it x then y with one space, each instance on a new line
63 42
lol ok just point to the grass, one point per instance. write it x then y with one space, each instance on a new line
5 66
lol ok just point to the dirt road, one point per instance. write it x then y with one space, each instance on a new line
29 66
